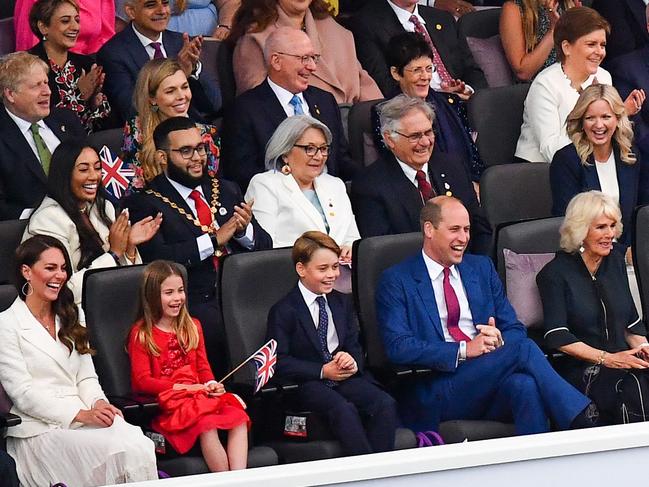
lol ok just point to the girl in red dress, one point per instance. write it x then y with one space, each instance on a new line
168 359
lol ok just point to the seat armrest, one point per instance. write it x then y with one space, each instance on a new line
135 403
8 419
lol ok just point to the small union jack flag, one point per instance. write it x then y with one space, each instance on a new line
265 360
115 174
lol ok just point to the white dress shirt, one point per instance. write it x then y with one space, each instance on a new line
284 96
204 243
547 105
436 274
607 175
51 140
311 303
411 172
146 42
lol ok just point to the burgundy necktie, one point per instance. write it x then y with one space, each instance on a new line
424 186
204 216
444 75
157 54
452 310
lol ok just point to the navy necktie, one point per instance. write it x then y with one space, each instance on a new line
323 327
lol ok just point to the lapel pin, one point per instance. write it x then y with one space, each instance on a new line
223 211
443 175
447 186
62 128
317 109
438 26
449 193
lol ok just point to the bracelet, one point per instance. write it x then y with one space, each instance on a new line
224 26
133 257
602 356
115 257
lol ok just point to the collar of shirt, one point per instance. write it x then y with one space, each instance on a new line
284 96
411 173
404 16
435 269
308 295
146 41
24 125
184 192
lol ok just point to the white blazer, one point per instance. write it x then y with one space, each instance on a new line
47 384
285 213
51 219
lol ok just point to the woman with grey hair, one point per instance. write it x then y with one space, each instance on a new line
589 313
296 194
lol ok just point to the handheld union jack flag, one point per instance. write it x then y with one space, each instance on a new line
115 174
265 360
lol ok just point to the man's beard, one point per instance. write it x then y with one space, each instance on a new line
182 177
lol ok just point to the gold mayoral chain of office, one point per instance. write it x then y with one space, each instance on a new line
214 204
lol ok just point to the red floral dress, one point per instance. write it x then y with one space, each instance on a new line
185 414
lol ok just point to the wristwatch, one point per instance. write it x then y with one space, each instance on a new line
218 252
462 351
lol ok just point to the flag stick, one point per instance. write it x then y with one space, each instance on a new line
244 362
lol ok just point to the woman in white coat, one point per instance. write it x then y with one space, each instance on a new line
295 194
76 213
69 433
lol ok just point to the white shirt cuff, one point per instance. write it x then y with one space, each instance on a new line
197 70
248 240
205 247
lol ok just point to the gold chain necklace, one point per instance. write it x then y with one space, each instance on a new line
213 207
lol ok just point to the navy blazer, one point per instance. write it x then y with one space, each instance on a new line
122 58
376 23
252 121
568 177
176 239
299 355
23 182
629 72
409 319
628 26
385 202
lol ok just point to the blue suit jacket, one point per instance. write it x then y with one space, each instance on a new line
568 177
299 356
409 320
123 56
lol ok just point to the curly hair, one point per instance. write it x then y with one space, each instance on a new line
71 333
623 135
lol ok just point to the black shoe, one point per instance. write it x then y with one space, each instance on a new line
587 418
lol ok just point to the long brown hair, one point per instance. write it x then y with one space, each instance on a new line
148 81
150 310
71 333
256 15
530 10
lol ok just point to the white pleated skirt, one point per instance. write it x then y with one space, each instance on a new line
85 457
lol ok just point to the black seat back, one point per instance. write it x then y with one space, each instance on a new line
360 132
480 23
496 114
11 233
371 256
251 283
641 256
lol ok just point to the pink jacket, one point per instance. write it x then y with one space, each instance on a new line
97 25
339 71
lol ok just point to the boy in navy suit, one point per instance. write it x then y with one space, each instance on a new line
318 348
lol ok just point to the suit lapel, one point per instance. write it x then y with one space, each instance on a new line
270 106
305 319
404 190
314 109
339 317
33 332
162 185
136 50
472 288
14 138
301 201
427 295
56 126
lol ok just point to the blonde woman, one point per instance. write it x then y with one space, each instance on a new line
161 92
601 156
588 309
526 30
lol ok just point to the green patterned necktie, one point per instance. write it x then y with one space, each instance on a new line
44 153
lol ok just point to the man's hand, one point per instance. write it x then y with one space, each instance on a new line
490 330
488 340
333 371
190 53
243 215
345 361
227 230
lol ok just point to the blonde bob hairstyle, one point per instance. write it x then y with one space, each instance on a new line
623 135
582 210
150 310
148 81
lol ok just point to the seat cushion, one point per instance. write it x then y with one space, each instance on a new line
489 55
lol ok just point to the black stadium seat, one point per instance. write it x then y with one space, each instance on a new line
371 256
11 233
641 255
110 301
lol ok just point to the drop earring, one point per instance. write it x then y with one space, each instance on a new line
154 107
581 248
286 170
27 289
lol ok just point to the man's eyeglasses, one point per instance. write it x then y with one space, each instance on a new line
417 136
187 151
312 150
419 71
315 58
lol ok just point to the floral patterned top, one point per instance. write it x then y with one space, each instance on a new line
66 78
541 29
133 142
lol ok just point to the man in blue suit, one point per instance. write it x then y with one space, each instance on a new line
146 38
447 311
318 348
